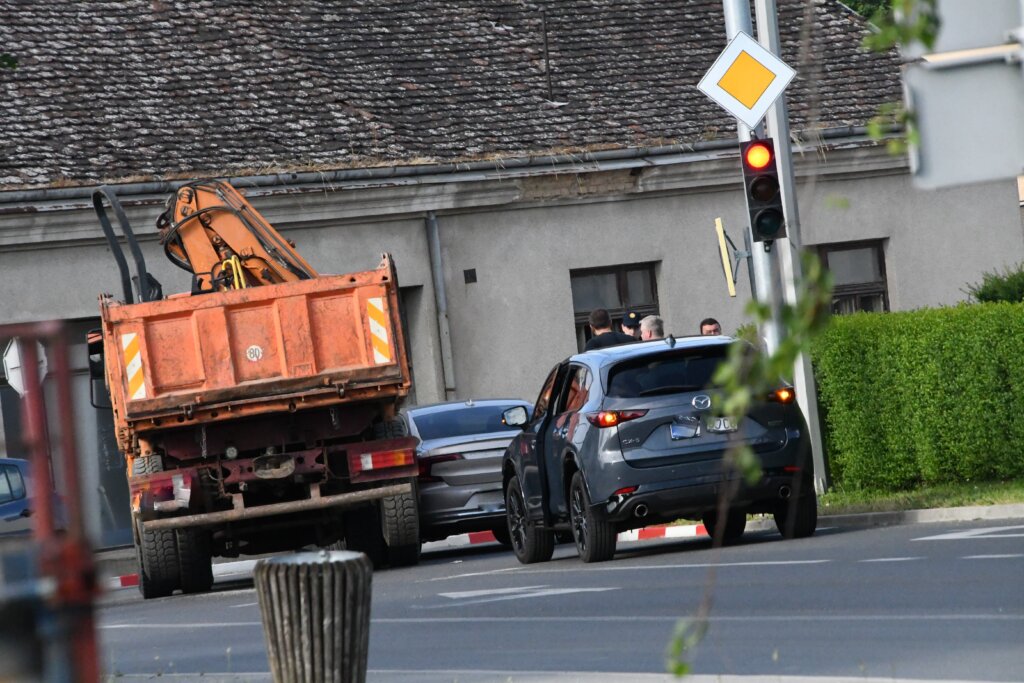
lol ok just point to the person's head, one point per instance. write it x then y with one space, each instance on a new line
652 327
631 324
600 321
710 326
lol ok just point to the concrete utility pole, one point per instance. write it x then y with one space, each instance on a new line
737 20
789 248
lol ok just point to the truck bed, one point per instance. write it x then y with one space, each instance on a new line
224 355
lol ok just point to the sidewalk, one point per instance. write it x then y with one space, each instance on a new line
117 568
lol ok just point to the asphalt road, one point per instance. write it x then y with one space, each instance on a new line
938 601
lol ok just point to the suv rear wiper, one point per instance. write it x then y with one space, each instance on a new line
670 389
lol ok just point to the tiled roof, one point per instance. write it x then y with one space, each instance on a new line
108 89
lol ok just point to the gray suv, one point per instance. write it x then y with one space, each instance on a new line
625 437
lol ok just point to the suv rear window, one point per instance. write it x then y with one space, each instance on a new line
462 422
666 373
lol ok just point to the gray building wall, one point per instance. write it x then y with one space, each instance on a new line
523 234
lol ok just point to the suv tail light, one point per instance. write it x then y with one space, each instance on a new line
612 418
425 465
782 395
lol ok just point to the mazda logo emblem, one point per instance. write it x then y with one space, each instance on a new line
701 402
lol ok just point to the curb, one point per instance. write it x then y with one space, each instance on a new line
243 568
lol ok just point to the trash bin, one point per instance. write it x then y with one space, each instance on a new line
316 615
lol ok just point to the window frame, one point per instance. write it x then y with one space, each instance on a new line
581 318
857 290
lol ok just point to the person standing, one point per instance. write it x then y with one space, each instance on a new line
631 324
601 327
710 326
652 327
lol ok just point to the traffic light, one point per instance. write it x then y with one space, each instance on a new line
761 189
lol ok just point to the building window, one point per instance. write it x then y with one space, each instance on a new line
858 272
617 289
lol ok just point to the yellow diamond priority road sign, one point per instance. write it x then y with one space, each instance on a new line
746 79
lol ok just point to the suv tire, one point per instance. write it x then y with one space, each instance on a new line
797 518
735 524
529 543
595 538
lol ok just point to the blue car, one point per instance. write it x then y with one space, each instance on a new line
15 512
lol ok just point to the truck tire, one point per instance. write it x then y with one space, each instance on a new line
400 524
363 534
156 551
529 543
194 560
390 429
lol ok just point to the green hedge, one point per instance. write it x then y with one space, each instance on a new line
929 396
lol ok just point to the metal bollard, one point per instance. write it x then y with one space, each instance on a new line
316 615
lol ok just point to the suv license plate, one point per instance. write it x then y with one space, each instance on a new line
721 425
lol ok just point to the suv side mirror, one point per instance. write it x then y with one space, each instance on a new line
515 417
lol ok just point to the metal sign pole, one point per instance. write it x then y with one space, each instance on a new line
790 247
737 20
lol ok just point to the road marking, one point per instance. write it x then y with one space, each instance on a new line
750 618
462 576
502 594
625 618
458 595
246 604
706 565
993 557
891 559
986 532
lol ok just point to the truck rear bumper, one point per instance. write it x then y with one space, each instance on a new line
340 500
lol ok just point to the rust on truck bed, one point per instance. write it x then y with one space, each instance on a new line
270 349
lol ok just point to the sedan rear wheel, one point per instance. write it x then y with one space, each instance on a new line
595 538
529 543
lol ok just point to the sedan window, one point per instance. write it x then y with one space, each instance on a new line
665 373
462 422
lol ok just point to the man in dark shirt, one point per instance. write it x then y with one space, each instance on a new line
601 326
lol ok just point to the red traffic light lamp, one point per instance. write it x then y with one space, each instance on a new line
761 190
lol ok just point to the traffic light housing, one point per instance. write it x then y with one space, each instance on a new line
761 190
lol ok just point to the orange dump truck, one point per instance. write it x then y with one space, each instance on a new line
257 416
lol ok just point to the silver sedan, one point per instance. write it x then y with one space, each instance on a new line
460 451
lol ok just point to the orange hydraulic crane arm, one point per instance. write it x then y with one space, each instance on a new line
210 230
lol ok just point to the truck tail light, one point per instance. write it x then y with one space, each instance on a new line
612 418
381 460
426 463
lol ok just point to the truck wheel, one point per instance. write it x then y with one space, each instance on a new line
799 518
390 429
156 551
194 560
735 524
400 523
529 543
595 538
363 534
